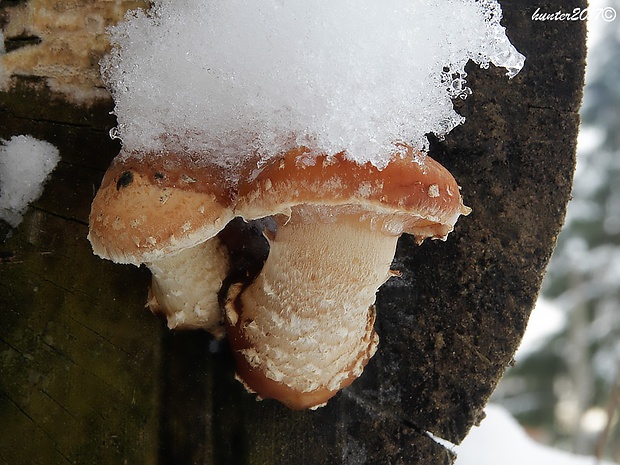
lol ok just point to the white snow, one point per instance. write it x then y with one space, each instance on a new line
25 164
238 76
500 440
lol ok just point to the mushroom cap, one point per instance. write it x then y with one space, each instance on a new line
412 194
151 205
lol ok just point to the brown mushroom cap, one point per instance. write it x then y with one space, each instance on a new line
412 194
151 205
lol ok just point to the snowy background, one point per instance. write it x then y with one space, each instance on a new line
501 440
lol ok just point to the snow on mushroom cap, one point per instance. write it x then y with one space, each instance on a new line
354 75
412 194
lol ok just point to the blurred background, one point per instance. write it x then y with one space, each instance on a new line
565 387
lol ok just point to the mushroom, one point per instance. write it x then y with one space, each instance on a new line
303 328
165 210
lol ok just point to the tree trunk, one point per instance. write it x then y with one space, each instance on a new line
89 376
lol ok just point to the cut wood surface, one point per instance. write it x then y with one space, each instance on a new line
88 375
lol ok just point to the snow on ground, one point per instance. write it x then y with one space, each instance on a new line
500 440
25 164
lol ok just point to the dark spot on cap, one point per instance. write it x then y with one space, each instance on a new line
124 180
159 175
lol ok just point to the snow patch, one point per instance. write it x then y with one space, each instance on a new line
25 164
500 439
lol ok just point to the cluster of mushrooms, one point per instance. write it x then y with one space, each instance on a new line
301 329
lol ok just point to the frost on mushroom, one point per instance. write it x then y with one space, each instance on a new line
310 112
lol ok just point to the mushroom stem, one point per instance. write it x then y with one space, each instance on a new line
304 328
185 287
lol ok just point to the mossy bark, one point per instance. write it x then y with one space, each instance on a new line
89 376
80 362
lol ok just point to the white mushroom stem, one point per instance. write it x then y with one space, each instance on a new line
307 317
185 287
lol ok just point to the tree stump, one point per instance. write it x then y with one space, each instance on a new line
89 376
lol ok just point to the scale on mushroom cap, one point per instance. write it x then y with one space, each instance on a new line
313 113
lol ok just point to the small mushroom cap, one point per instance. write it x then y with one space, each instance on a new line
151 205
412 194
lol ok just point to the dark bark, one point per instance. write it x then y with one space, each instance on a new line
89 376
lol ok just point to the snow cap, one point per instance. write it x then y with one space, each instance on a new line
349 75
